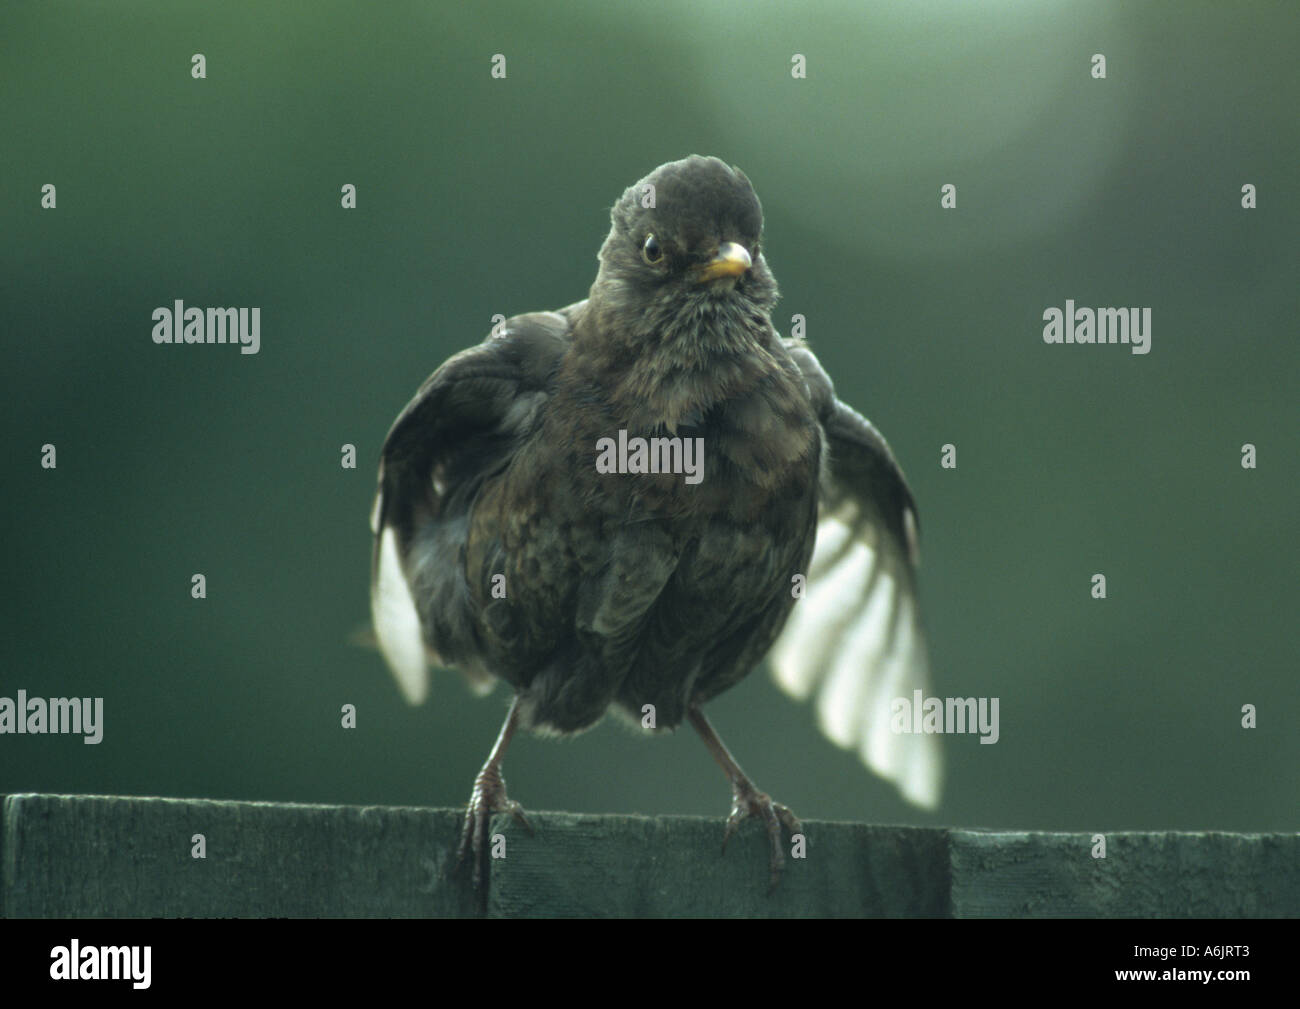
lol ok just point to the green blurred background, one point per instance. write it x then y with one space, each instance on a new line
478 196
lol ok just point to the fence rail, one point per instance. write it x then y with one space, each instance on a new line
121 856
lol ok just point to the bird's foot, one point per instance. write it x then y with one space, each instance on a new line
488 797
747 801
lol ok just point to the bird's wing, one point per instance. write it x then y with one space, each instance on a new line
463 426
855 639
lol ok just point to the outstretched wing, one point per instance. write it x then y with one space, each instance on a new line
855 639
463 426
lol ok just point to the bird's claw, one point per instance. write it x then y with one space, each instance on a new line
747 801
488 797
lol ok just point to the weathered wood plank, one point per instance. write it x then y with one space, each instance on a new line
112 856
1144 875
108 856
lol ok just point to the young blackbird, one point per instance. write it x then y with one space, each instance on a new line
523 533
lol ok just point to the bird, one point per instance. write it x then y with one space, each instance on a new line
625 504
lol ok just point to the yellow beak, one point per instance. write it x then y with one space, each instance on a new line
731 260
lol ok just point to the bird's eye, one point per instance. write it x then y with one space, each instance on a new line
651 252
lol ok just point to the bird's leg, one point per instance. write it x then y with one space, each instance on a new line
489 796
746 799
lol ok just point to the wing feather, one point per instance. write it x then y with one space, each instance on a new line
463 425
855 642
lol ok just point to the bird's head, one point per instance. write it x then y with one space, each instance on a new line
685 245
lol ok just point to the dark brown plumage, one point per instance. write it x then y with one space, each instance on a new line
504 550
